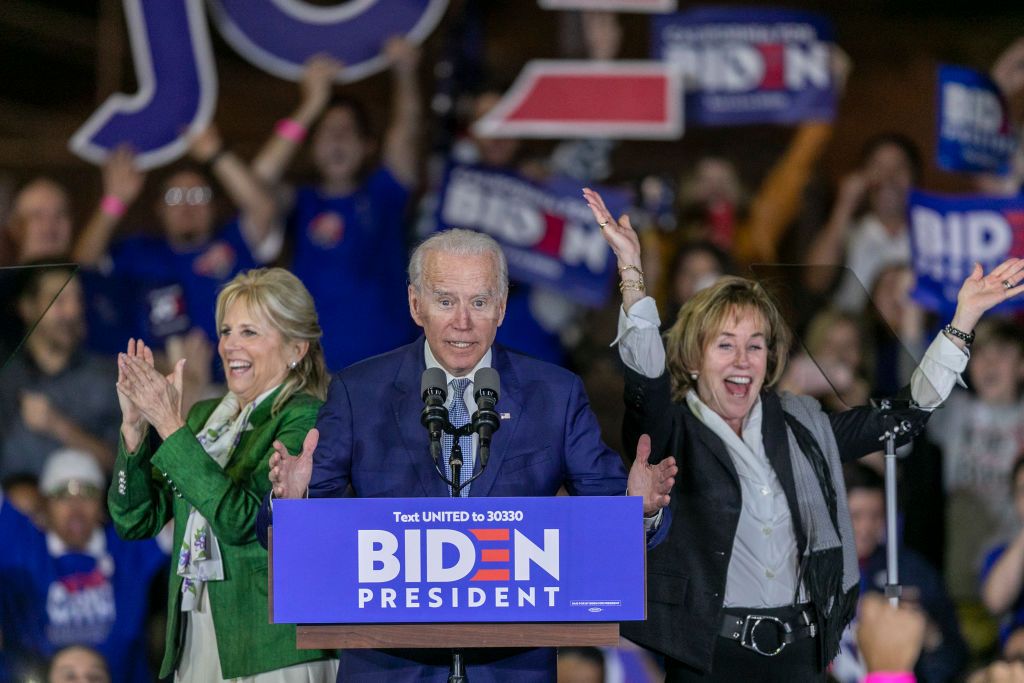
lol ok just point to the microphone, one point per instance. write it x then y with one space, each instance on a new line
486 388
434 390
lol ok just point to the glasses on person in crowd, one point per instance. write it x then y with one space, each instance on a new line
192 196
77 489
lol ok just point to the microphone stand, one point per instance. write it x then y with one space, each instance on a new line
894 429
457 670
455 459
435 415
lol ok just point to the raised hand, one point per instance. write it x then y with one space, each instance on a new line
403 54
290 474
1008 70
205 144
121 178
132 422
652 482
602 34
840 65
317 79
981 292
890 638
620 235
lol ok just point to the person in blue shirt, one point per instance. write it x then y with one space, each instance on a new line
169 280
78 583
348 231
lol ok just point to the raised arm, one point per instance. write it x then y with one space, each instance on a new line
857 430
254 201
828 245
402 140
279 150
1008 74
122 182
777 202
625 244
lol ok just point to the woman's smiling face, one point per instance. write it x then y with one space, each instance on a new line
733 367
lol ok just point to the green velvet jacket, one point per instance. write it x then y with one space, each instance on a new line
148 488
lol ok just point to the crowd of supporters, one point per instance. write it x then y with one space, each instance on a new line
72 594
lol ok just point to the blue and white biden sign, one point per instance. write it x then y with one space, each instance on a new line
414 560
976 133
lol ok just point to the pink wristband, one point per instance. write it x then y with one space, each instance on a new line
112 206
290 129
890 677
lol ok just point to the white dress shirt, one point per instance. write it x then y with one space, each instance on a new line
870 248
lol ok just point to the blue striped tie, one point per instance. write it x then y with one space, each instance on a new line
458 415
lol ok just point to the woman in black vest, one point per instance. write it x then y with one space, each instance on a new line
752 574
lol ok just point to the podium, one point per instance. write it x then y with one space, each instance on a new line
457 573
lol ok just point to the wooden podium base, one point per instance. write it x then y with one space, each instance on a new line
458 636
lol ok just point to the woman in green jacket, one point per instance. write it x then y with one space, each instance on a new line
209 475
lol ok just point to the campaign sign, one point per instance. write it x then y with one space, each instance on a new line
547 231
948 235
975 131
749 65
417 560
567 98
177 76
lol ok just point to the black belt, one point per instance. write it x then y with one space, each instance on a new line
779 631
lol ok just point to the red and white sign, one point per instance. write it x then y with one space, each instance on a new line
574 99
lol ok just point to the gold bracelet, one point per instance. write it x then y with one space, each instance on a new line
639 272
636 285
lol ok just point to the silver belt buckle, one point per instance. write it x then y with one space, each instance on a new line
750 624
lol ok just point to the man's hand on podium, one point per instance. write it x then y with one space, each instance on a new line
289 474
652 482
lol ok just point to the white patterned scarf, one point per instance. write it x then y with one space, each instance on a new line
199 559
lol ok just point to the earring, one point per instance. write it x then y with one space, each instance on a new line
693 376
294 364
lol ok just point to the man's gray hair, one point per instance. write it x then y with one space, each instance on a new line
459 242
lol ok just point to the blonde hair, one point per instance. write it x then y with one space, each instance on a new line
704 316
283 301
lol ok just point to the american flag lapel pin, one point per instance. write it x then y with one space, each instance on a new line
506 416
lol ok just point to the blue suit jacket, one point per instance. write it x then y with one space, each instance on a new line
371 440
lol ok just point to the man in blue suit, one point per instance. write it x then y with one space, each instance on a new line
369 437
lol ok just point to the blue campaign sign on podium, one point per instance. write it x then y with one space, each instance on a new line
434 560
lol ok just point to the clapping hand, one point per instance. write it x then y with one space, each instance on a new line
290 474
652 482
156 398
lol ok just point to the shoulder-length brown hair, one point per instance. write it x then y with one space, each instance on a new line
702 318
